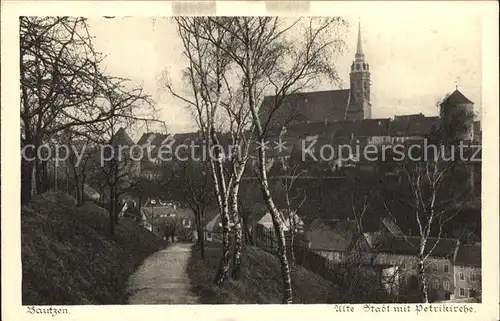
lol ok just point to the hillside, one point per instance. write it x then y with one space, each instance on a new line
68 256
260 281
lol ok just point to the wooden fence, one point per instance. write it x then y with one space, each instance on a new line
266 240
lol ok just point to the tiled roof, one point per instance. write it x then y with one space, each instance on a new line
469 255
374 127
316 106
159 139
414 125
146 138
341 128
330 224
330 235
410 245
304 130
456 98
121 138
423 127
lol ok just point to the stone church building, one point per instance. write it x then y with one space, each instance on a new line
325 106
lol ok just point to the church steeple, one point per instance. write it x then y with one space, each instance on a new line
359 106
359 48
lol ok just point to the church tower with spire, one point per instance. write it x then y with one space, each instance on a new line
359 100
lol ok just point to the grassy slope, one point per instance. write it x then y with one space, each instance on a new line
260 280
69 258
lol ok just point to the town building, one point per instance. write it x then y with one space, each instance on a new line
467 271
324 106
162 217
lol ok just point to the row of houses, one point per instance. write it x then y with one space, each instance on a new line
453 269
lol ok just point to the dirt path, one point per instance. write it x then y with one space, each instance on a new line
162 278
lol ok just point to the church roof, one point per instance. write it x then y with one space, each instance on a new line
315 106
457 98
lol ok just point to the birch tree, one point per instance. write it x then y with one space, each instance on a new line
433 204
270 59
206 76
293 203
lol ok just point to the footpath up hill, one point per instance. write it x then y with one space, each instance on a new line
68 256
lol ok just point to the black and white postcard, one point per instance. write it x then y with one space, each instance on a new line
219 159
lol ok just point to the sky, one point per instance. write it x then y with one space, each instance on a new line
414 60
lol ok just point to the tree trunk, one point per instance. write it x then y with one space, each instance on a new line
26 180
82 188
79 197
278 228
38 177
422 278
201 234
292 239
238 235
111 211
223 269
201 239
117 209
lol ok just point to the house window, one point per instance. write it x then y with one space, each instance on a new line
435 284
446 268
358 66
462 276
472 277
461 292
434 267
414 266
446 285
187 223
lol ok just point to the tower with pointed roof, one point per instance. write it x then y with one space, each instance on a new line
457 114
359 106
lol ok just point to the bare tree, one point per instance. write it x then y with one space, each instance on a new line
60 81
267 57
433 205
117 161
194 183
206 75
293 204
63 88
